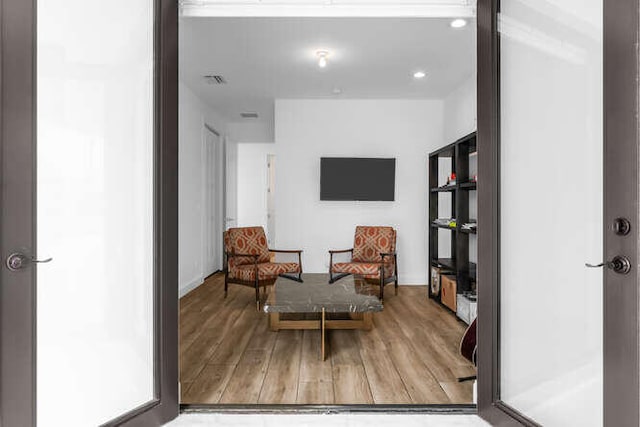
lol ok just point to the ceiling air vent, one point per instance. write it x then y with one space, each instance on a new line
215 80
249 115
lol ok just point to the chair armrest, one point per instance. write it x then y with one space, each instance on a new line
341 251
282 251
384 254
331 253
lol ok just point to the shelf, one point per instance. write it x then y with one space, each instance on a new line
468 185
472 270
446 227
443 189
450 264
462 205
448 151
445 263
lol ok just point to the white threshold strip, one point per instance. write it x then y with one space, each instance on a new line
334 420
329 8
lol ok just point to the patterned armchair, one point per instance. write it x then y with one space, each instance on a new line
248 260
373 257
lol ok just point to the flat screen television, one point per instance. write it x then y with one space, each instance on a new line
349 178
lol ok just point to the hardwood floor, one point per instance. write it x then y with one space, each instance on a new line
229 355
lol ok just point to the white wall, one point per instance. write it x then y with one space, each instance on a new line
306 130
192 116
251 131
252 183
460 111
460 119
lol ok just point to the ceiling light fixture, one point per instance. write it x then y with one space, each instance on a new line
419 75
458 23
322 58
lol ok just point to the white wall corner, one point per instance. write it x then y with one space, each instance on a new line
190 286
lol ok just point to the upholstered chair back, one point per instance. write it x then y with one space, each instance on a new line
247 240
369 242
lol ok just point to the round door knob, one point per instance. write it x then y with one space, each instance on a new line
16 262
620 264
621 226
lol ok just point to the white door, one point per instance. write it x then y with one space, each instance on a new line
271 199
213 202
231 184
551 210
88 200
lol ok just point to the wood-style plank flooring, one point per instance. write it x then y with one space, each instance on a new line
229 355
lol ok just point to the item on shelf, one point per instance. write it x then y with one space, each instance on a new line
448 291
470 226
443 221
451 179
471 295
435 281
466 308
474 178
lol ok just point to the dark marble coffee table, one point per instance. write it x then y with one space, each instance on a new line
315 294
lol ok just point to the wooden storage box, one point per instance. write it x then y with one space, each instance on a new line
448 295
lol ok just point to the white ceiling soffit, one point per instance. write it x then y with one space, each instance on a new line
329 8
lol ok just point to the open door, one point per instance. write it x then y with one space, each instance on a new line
558 212
213 201
88 236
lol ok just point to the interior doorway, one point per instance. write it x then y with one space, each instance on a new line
325 91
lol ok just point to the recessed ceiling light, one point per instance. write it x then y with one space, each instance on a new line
458 23
322 58
419 75
337 91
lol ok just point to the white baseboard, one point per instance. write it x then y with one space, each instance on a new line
412 280
185 289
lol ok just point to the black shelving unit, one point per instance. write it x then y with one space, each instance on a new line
459 154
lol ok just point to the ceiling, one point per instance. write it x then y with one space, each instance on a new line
263 59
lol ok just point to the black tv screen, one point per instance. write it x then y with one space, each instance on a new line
347 178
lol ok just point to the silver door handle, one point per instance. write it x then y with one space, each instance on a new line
17 261
619 264
594 265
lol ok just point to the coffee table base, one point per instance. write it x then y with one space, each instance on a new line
363 321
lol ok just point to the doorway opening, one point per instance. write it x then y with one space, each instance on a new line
378 95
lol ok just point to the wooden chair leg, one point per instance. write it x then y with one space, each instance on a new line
395 271
381 283
226 284
257 296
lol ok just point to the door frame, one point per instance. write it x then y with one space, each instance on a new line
17 163
621 182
